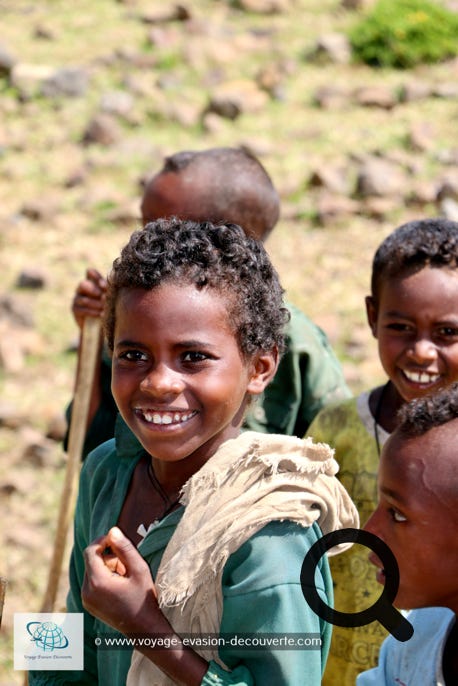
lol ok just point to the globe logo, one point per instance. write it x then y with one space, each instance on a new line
47 635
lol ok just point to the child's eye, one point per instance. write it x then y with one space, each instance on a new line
399 327
133 356
448 332
194 356
397 516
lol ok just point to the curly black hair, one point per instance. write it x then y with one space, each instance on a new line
422 414
412 246
206 255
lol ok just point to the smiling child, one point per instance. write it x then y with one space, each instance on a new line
417 517
222 519
413 314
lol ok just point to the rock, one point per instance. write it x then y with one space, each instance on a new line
330 207
10 418
331 98
415 90
447 91
14 312
271 78
449 156
233 98
357 4
7 61
448 186
125 214
43 32
449 209
34 278
263 6
57 428
29 78
331 48
423 193
379 177
421 136
376 96
379 208
12 357
118 103
333 179
36 449
176 13
103 129
39 209
69 81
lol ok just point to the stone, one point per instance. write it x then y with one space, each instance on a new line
379 177
376 96
33 278
447 91
14 312
449 209
330 207
379 208
332 178
117 102
103 129
176 13
448 185
263 6
232 98
7 61
57 428
415 90
331 48
331 98
421 136
29 78
39 209
70 81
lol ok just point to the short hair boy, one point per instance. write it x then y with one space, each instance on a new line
413 313
230 185
417 517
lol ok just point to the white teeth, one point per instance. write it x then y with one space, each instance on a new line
422 377
166 418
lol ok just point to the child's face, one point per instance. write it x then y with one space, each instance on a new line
416 324
179 379
417 516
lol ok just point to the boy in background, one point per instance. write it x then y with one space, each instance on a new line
229 185
417 517
413 313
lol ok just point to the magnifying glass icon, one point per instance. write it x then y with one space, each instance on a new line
382 610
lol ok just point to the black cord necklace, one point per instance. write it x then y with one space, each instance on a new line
169 503
377 412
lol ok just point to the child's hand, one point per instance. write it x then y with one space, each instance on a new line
118 587
89 299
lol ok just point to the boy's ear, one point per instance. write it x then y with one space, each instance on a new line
371 312
264 367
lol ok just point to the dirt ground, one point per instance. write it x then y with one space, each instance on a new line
66 203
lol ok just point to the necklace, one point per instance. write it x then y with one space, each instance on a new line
169 503
377 412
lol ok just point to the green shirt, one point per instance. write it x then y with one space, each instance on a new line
261 586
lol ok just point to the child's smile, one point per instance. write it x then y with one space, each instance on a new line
179 378
416 324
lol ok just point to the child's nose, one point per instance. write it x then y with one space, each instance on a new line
162 381
422 349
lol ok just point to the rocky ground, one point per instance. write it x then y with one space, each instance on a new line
92 96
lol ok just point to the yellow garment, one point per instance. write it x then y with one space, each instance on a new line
348 427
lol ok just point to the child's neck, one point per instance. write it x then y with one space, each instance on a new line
384 403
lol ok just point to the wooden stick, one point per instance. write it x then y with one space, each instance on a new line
90 345
3 585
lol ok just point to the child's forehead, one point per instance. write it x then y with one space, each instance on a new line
425 466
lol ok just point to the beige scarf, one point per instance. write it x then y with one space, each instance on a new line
249 482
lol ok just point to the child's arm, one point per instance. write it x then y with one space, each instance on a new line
119 590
